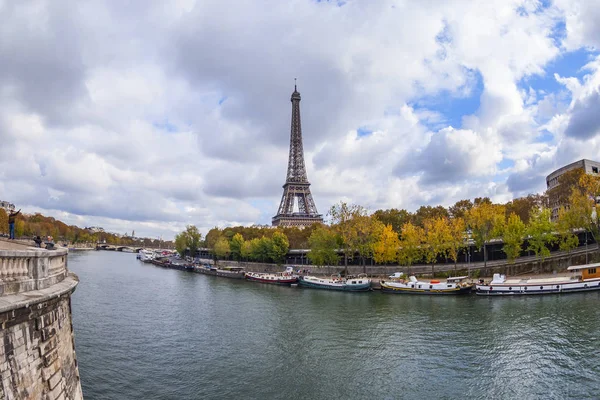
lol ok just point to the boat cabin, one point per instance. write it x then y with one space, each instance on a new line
588 271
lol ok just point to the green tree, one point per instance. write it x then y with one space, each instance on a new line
540 233
323 247
387 245
411 242
483 218
394 217
437 239
513 237
456 238
366 232
222 248
237 242
460 209
568 222
279 247
342 216
189 239
3 221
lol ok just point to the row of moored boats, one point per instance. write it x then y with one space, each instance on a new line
583 278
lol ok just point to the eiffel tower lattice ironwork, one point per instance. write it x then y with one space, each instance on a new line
296 190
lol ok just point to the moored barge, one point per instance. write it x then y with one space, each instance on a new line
588 280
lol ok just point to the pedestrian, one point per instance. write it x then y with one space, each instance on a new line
38 241
11 223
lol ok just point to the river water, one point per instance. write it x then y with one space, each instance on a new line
143 332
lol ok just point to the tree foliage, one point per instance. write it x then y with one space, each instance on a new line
410 244
279 247
323 244
237 242
513 237
222 248
189 240
387 245
539 232
483 218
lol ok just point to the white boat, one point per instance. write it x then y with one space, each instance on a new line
585 278
146 255
350 284
454 285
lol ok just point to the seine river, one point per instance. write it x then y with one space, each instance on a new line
143 332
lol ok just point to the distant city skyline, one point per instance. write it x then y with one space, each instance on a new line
151 116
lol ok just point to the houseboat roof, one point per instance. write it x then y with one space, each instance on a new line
577 267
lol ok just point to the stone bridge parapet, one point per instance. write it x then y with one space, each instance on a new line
31 269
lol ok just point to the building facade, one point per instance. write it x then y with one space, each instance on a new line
553 181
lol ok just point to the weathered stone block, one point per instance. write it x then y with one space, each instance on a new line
50 357
55 380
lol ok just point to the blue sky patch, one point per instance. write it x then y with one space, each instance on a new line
363 131
165 126
451 106
566 65
222 100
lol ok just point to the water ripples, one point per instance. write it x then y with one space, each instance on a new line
148 333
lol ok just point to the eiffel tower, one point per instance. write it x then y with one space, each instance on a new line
296 189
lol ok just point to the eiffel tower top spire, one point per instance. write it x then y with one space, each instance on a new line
296 170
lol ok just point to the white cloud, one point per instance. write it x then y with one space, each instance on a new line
150 116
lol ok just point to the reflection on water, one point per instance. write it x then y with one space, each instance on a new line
144 332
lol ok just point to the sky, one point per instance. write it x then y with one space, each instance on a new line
152 115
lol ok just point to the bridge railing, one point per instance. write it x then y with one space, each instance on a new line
27 270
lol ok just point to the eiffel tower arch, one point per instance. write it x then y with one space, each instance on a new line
297 207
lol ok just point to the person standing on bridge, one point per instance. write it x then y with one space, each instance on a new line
12 217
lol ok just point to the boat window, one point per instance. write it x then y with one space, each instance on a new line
419 286
359 281
525 287
449 285
430 286
591 270
354 282
541 287
510 288
558 287
412 286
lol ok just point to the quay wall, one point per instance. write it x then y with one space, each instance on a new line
557 263
37 348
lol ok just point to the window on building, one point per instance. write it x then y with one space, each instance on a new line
595 170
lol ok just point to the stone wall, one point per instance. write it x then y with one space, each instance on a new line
37 349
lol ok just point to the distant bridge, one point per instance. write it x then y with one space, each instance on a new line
111 247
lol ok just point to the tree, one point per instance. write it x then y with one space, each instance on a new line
456 238
394 217
523 206
342 216
460 208
237 242
410 244
513 237
568 222
3 221
279 247
437 238
482 219
181 244
366 231
222 248
539 233
323 247
246 250
387 245
429 212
